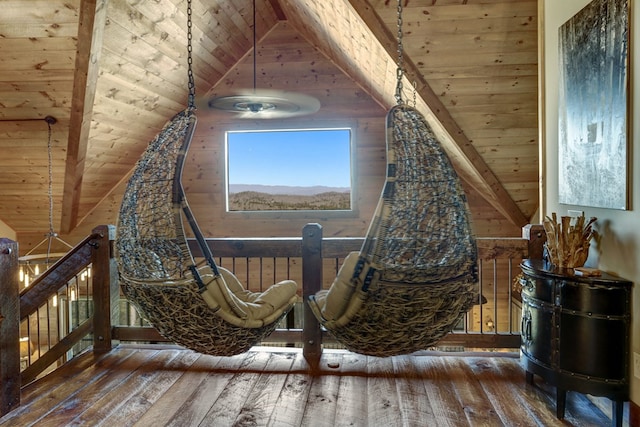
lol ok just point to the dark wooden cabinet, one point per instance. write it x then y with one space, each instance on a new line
576 332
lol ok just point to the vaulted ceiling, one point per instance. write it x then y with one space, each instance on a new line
112 72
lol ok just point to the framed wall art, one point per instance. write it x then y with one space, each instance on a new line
593 106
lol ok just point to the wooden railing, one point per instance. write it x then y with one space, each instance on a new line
20 309
310 260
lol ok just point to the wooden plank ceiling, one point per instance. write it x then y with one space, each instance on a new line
112 72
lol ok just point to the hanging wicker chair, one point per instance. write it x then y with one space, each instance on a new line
203 308
416 274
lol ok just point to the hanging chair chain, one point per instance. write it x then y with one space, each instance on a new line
192 84
399 70
50 191
51 234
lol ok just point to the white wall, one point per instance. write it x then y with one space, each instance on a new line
619 249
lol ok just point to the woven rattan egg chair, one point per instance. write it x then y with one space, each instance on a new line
415 276
205 307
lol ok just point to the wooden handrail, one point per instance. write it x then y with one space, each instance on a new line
57 276
336 247
250 247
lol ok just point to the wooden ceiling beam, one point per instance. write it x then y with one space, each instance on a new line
92 19
277 8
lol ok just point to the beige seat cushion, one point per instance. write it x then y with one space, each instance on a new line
333 302
231 296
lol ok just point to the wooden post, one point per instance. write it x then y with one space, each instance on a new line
9 327
105 288
536 236
311 283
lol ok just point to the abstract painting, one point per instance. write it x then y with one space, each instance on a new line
593 106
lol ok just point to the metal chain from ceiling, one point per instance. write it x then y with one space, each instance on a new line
50 121
192 84
400 69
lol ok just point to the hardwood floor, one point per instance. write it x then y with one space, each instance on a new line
146 385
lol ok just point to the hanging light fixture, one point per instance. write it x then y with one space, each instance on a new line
262 103
32 264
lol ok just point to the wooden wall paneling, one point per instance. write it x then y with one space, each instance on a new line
129 108
477 58
165 34
13 58
452 136
140 89
121 95
479 65
473 86
146 58
40 11
462 23
437 71
236 40
460 44
126 72
22 111
212 38
105 131
448 10
204 172
522 134
42 98
60 31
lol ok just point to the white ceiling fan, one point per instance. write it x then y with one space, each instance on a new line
262 103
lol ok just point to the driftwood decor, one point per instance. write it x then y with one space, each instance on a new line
568 245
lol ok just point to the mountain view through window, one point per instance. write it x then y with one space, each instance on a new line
289 170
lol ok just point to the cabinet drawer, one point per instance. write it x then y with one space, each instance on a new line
596 348
596 299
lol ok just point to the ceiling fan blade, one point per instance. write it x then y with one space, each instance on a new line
263 104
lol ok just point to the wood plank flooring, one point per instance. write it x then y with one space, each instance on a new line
145 385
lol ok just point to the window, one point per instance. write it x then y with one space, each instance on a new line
289 170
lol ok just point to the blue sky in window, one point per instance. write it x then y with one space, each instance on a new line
302 158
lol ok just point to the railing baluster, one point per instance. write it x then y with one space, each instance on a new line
510 293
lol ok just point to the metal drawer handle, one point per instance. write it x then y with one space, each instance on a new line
527 284
525 327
